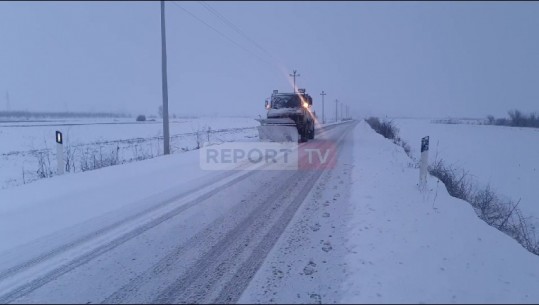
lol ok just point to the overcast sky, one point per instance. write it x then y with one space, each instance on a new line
398 59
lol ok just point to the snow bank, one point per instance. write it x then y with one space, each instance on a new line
33 211
507 158
410 247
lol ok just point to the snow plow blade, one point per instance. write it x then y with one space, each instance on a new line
278 130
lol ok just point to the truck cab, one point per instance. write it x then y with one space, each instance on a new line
295 106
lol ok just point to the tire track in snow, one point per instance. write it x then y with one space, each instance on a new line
39 282
226 267
195 245
35 284
88 237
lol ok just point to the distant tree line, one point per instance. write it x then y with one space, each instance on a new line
516 118
64 114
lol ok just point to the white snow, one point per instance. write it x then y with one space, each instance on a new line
365 233
390 243
22 136
35 210
86 138
431 247
507 158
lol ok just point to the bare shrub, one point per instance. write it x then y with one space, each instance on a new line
487 203
526 232
44 169
202 134
501 214
388 129
95 155
457 185
140 154
407 148
93 158
69 154
374 122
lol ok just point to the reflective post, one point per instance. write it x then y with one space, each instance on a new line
423 163
60 153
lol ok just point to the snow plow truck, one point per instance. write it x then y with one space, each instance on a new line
289 118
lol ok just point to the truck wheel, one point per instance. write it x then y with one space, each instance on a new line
303 136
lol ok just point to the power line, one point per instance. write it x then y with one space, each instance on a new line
234 27
220 33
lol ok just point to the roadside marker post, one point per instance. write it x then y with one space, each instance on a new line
424 162
60 152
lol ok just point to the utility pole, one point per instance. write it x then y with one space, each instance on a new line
294 76
166 135
336 113
323 112
8 106
342 107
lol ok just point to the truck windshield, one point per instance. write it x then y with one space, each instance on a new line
285 101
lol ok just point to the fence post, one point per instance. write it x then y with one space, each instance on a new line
60 152
424 162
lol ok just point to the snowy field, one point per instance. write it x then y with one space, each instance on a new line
368 235
507 158
21 136
28 148
361 232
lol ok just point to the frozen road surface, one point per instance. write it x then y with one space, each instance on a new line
356 229
199 241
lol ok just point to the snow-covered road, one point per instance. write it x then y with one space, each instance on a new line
165 231
199 240
367 234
